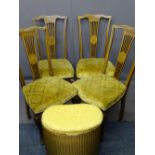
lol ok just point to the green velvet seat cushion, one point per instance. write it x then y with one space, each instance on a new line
87 67
61 68
102 91
48 91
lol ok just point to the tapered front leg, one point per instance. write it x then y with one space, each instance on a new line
37 120
121 114
28 112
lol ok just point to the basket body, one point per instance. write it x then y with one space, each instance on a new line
81 144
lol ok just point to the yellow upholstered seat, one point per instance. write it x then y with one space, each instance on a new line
93 66
72 119
61 68
102 91
47 91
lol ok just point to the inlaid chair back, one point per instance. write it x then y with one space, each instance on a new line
128 37
28 36
50 24
94 22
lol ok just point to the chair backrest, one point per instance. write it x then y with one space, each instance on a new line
94 22
28 37
50 24
128 37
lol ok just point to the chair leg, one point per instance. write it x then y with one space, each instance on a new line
28 112
121 114
37 120
76 99
102 128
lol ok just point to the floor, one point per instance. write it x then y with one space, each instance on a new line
119 139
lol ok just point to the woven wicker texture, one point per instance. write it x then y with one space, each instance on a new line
48 91
102 91
93 66
83 144
61 68
72 119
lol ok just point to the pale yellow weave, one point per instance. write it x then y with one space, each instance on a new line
102 91
93 66
61 68
48 91
72 119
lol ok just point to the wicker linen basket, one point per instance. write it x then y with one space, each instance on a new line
72 129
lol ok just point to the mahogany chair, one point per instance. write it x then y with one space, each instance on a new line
41 92
105 91
59 67
87 67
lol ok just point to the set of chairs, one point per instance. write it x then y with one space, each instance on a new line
95 81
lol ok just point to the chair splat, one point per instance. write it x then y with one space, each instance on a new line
94 23
50 24
127 40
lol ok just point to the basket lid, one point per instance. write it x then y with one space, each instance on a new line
72 118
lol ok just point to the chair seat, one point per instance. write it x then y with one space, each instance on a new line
48 91
102 91
72 119
61 68
93 66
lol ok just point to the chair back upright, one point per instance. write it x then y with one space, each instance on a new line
50 24
94 22
28 37
21 78
127 40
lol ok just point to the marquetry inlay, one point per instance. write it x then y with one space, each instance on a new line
93 39
122 57
32 59
51 41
